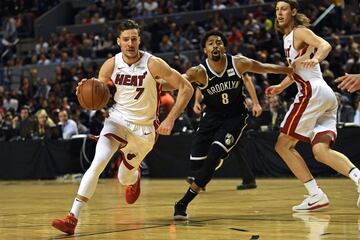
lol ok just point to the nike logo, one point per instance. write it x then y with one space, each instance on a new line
119 68
211 78
147 133
310 204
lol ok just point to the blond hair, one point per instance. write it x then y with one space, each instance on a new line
49 121
300 19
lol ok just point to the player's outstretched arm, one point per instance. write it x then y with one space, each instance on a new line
245 64
349 82
161 70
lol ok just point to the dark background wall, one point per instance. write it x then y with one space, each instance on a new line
169 159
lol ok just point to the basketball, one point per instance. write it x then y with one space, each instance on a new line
93 94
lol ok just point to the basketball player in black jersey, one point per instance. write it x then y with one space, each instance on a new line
219 77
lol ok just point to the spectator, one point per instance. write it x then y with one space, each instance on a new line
232 4
277 113
345 112
45 127
218 5
6 129
24 125
44 89
68 126
97 122
357 112
150 7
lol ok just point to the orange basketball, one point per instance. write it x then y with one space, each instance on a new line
93 94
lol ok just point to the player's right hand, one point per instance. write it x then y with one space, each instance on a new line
197 108
273 90
165 126
349 82
79 84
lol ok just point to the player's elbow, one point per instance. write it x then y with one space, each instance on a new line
188 89
327 47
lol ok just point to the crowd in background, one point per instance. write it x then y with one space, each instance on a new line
37 108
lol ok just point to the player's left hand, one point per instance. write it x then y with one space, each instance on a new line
256 109
308 63
165 127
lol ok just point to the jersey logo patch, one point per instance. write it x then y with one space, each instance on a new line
230 72
229 139
130 80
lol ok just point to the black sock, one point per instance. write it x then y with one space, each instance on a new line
188 197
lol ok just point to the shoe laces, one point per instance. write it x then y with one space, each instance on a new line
70 219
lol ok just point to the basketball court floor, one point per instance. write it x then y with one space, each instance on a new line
221 213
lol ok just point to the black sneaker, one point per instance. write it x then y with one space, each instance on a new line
180 211
245 186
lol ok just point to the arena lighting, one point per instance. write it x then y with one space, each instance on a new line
326 12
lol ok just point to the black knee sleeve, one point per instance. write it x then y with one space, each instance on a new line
207 170
196 165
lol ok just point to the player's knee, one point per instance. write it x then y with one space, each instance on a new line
320 152
196 164
279 148
283 144
206 172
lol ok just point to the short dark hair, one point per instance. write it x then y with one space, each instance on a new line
25 107
213 33
128 24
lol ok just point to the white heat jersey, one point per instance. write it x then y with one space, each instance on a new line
312 74
313 111
137 92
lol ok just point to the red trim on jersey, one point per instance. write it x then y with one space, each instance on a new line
302 51
296 136
124 160
293 119
156 122
327 132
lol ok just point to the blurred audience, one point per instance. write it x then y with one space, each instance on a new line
250 33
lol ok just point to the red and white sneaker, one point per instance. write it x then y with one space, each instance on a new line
133 191
66 225
313 203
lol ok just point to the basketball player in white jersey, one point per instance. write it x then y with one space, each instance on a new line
132 125
312 116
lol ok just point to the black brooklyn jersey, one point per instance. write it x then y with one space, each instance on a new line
223 92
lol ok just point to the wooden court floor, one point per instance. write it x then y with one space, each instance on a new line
221 213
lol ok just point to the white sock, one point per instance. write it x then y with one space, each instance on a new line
312 187
76 207
354 174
